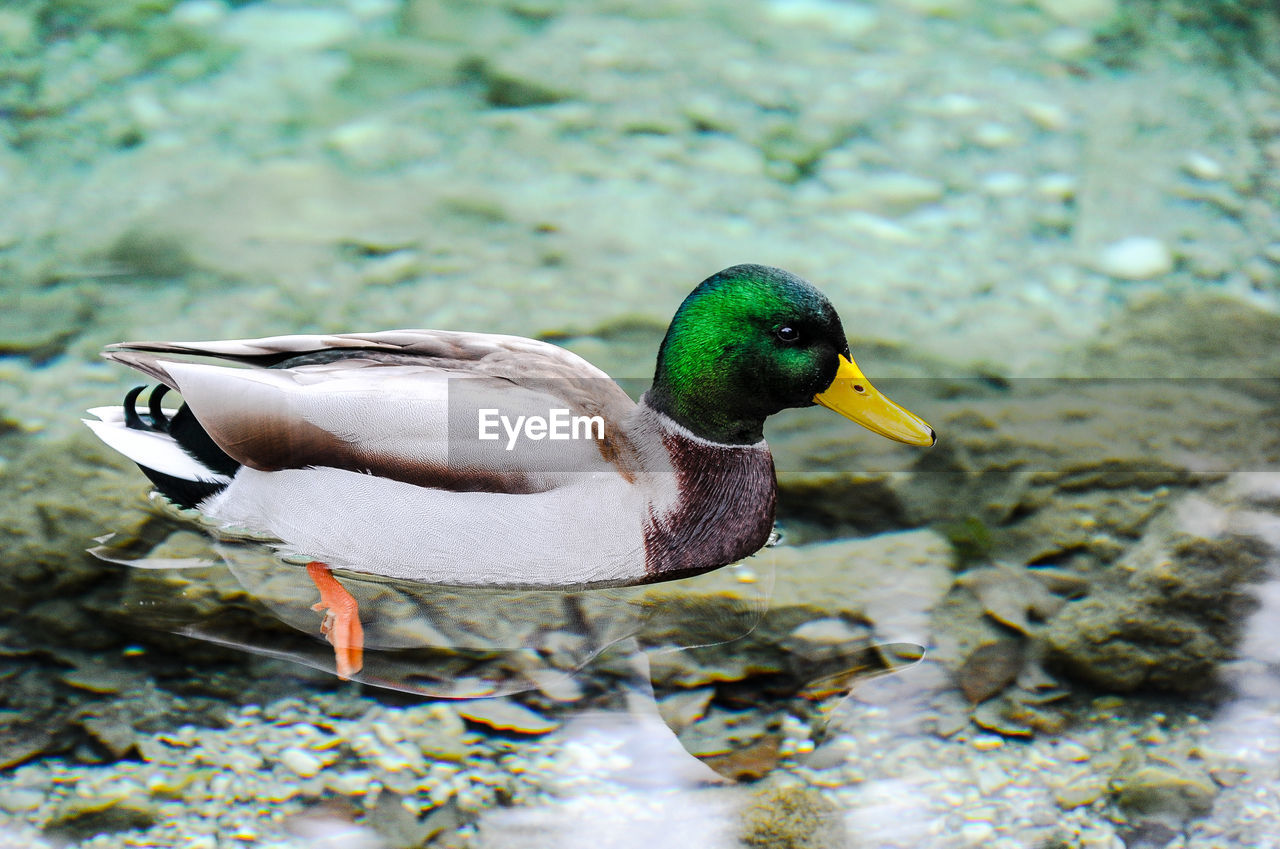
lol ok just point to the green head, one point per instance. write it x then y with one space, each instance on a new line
753 340
748 342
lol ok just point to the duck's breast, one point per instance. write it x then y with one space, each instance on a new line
720 506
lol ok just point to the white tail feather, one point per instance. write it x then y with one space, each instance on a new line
149 448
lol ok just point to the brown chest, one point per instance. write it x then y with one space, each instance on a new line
724 510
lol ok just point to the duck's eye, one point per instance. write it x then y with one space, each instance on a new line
787 333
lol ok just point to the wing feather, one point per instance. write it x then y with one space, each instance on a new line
402 404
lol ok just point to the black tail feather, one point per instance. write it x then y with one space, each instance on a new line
181 491
158 420
191 437
131 418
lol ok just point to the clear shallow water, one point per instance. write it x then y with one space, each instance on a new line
986 191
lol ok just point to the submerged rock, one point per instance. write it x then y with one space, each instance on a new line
44 533
281 31
990 668
1170 611
749 762
792 817
78 818
685 707
1011 595
506 715
40 324
1082 788
1195 334
1166 792
887 584
23 741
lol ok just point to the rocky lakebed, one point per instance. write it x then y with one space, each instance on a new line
1051 227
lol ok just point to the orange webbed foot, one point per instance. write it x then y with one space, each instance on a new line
341 625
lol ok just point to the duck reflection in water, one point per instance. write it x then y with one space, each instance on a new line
727 672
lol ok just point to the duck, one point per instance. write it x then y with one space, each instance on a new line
486 460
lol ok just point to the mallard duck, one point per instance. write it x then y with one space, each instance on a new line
403 453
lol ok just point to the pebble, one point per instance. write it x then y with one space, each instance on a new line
987 742
279 792
1083 789
100 678
1100 837
994 135
370 9
840 18
1260 273
17 29
1069 750
18 799
977 833
890 192
990 668
992 778
506 715
354 783
956 105
876 226
1048 116
1059 187
1136 258
729 157
685 707
1068 44
1165 789
147 110
937 8
1203 167
246 833
395 267
199 14
387 760
268 29
446 719
301 762
828 631
364 143
1208 260
1004 183
1080 13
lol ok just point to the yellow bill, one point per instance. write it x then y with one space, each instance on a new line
853 397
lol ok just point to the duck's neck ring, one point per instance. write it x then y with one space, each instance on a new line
671 424
704 418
